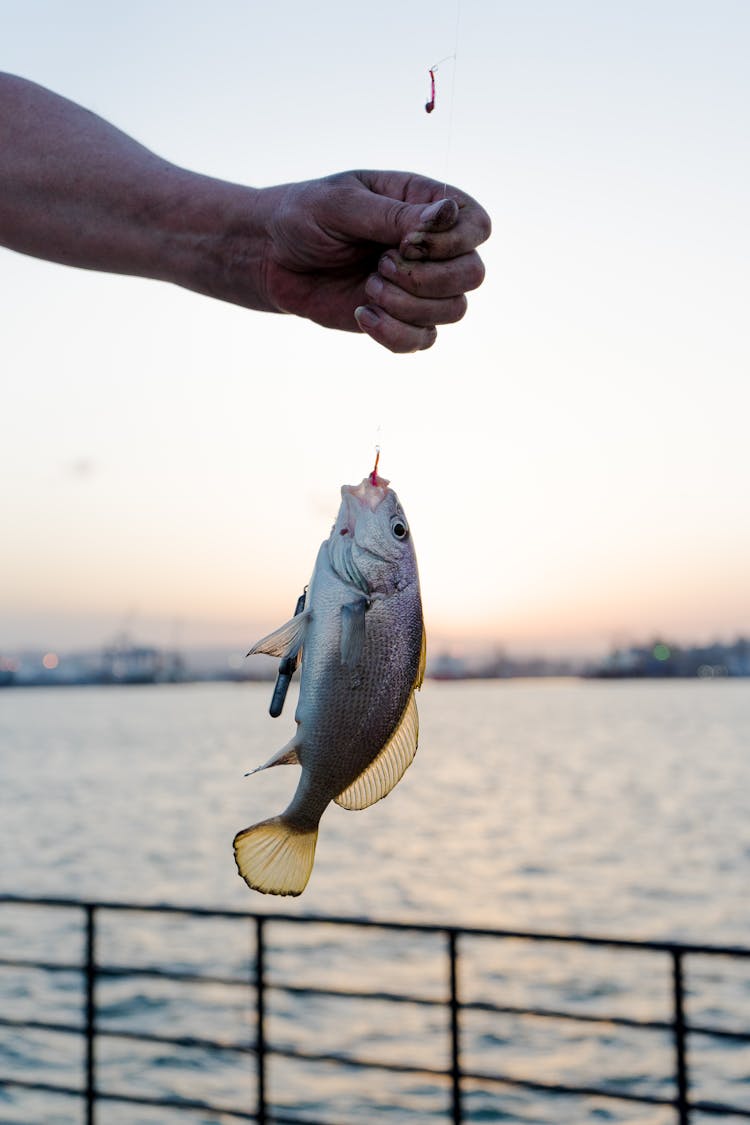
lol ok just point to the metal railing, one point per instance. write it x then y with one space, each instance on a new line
456 1077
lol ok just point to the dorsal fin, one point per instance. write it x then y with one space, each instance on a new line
388 767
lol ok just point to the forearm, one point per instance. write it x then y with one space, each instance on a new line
75 190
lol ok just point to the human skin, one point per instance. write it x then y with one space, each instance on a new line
390 254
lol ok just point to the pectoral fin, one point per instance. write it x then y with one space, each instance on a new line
286 641
353 632
390 765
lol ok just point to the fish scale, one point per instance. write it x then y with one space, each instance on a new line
359 720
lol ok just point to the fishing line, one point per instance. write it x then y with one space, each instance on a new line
429 108
453 92
430 104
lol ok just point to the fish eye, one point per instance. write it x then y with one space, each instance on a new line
399 528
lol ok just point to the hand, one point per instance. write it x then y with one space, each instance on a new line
390 253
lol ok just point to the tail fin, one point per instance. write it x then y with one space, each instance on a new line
274 857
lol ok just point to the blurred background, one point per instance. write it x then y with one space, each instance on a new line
572 456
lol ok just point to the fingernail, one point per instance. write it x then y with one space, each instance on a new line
366 317
432 211
440 216
374 287
387 267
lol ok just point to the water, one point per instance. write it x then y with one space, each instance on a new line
607 808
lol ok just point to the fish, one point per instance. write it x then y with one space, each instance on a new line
360 641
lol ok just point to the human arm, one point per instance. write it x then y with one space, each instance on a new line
76 190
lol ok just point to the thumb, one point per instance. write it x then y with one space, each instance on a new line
370 215
438 216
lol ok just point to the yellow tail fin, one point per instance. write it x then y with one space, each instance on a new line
274 857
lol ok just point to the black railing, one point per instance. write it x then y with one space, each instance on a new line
455 1077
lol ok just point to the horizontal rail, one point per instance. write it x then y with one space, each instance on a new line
719 1109
358 1063
688 948
127 972
121 971
579 1091
47 966
186 1041
130 1098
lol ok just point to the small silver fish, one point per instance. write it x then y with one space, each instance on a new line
361 643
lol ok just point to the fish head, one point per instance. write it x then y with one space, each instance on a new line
370 544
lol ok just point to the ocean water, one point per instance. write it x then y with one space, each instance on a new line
619 809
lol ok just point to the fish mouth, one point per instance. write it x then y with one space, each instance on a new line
366 493
344 543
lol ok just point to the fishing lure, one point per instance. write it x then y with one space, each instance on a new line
430 105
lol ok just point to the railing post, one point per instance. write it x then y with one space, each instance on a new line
455 1029
260 1012
90 1012
681 1068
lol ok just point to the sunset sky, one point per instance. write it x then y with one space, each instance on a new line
573 457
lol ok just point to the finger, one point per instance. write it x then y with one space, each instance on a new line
438 246
449 278
392 333
413 310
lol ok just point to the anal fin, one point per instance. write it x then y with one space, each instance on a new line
286 756
387 769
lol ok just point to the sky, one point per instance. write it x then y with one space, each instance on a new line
572 456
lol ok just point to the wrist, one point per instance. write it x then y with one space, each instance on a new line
217 240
